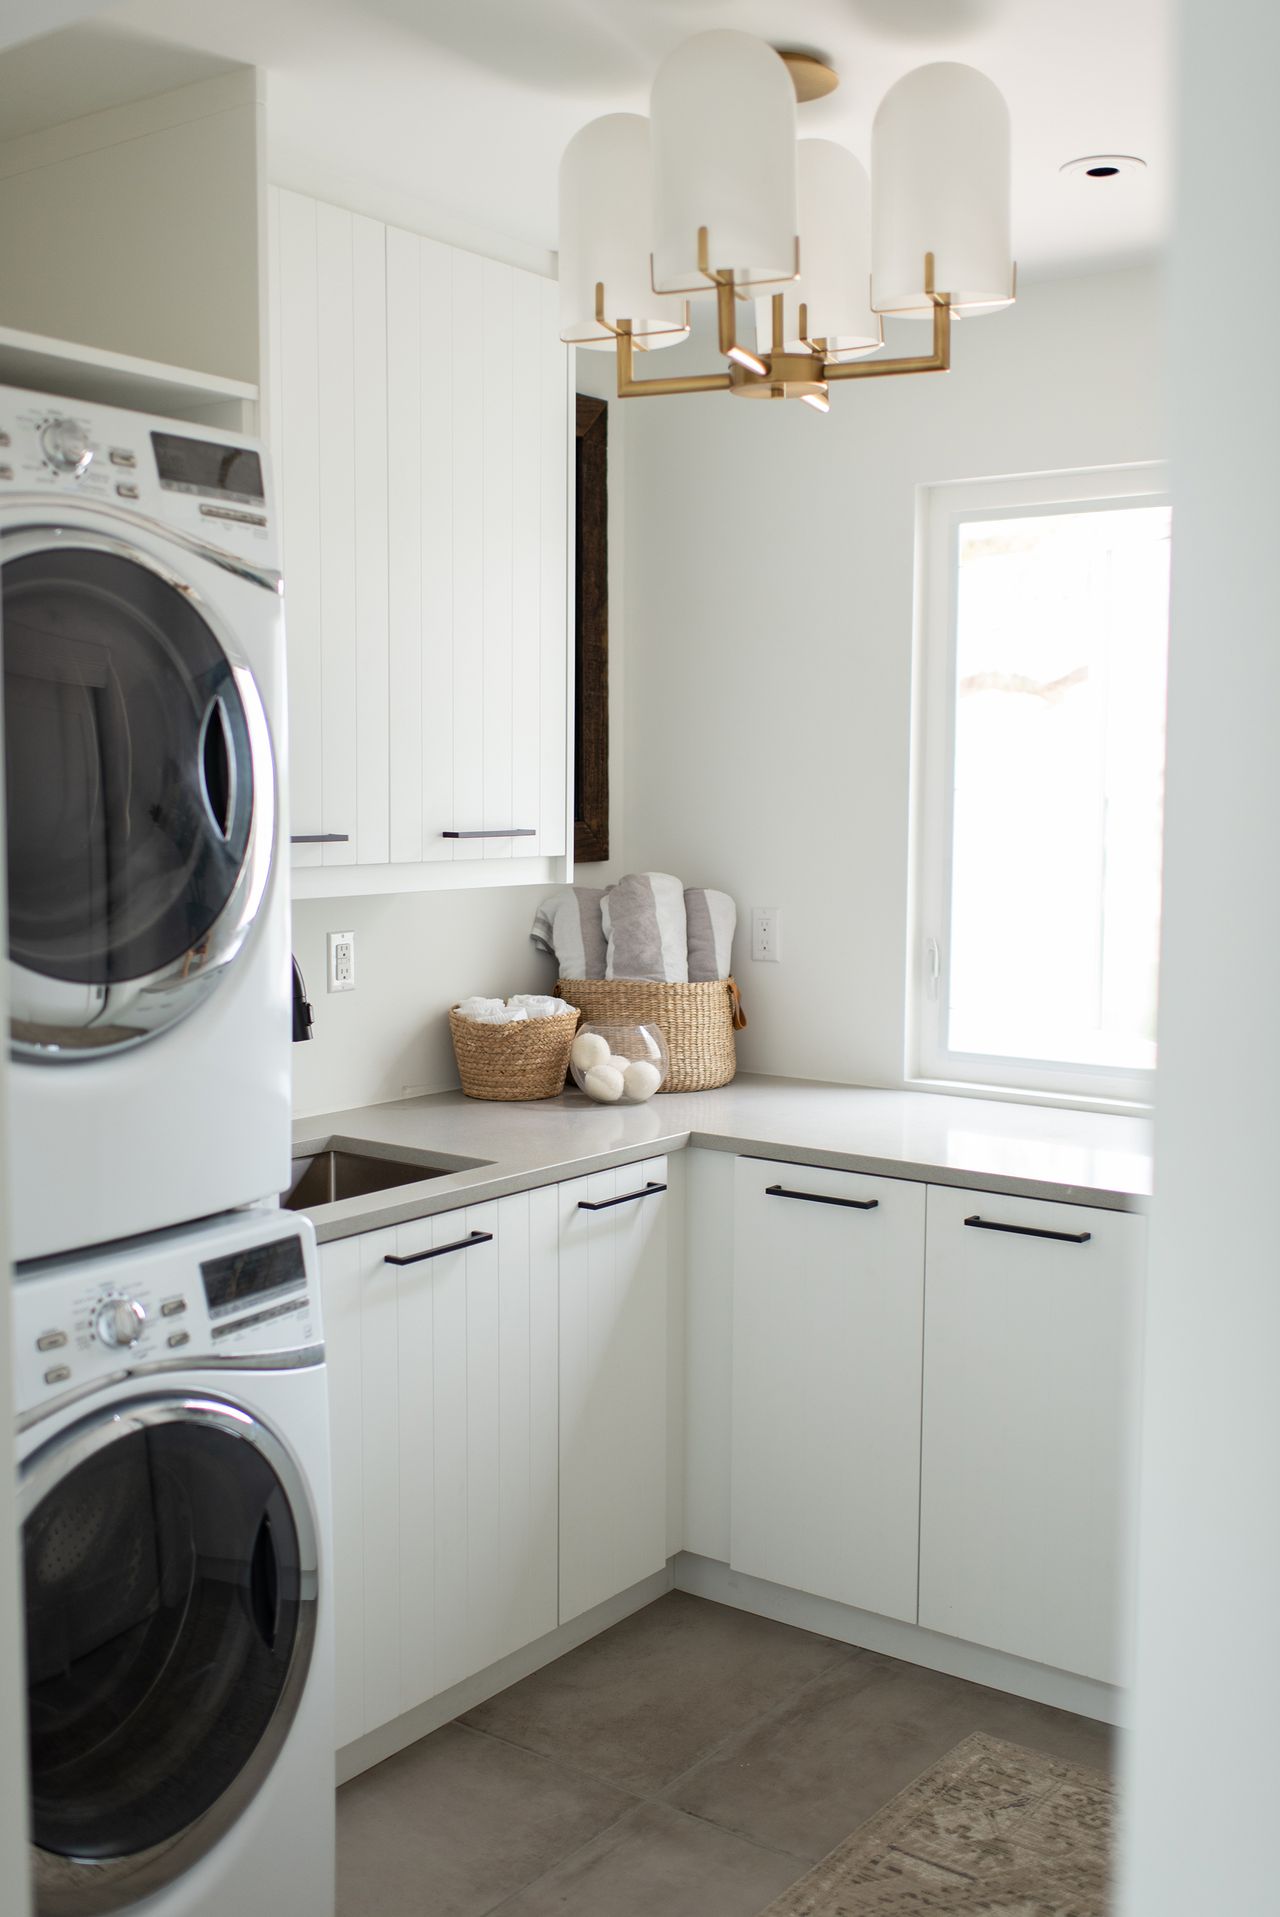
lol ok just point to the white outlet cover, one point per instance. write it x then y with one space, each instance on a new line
341 961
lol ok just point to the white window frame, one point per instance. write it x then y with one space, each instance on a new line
930 1063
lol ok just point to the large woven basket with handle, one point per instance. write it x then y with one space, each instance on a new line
698 1021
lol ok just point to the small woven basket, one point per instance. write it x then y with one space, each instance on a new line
698 1021
527 1059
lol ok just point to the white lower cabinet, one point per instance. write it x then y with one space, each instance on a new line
827 1305
443 1382
1031 1330
613 1382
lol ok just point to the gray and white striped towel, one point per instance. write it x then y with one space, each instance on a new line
568 925
712 919
645 928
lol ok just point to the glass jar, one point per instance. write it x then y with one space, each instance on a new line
619 1064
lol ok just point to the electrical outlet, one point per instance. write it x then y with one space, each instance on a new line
342 961
764 934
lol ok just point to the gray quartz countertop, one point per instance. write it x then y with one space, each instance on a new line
1032 1151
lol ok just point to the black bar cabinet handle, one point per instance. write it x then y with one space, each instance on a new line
1030 1231
503 832
822 1198
320 838
603 1204
438 1251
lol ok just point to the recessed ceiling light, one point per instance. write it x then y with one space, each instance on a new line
1105 166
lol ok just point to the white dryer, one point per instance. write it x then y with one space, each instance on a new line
174 1494
143 638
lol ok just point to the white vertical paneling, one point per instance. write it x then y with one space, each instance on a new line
499 348
484 1434
270 423
404 547
336 370
1029 1387
369 339
416 1336
553 639
299 389
531 1528
436 418
613 1383
340 1293
468 552
449 1279
827 1331
380 1475
526 561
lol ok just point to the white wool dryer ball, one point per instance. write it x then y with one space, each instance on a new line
603 1084
589 1049
641 1080
619 1063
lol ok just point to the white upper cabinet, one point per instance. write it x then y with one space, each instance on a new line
828 1294
1031 1335
418 405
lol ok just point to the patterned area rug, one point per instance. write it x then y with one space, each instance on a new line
991 1831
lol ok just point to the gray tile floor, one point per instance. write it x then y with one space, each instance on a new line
692 1761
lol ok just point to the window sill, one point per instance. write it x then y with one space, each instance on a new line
1020 1095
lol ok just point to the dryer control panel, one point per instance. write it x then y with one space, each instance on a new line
239 1293
211 484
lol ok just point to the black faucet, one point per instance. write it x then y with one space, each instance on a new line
303 1017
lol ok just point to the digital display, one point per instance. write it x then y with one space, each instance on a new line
242 1275
199 466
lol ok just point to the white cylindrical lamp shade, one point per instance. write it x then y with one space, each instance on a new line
940 185
723 135
835 259
605 211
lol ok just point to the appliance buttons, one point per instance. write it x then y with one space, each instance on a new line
126 490
177 1338
119 457
238 518
51 1340
57 1374
173 1307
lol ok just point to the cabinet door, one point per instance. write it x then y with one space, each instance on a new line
477 1391
1030 1347
328 427
827 1309
613 1382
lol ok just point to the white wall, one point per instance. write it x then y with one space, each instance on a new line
769 587
1205 1770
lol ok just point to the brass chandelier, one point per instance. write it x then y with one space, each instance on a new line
713 196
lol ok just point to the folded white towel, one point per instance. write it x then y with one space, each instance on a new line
505 1015
478 1007
540 1005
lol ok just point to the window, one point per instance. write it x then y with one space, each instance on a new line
1041 782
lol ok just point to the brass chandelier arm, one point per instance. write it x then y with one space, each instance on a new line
629 387
938 361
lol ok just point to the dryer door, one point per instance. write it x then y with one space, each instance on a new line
170 1563
140 793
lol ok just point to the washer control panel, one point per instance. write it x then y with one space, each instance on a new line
241 1291
212 484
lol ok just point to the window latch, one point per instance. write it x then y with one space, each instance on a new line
932 966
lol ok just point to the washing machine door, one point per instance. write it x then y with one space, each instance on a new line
140 790
169 1552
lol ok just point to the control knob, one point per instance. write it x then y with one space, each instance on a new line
66 446
119 1322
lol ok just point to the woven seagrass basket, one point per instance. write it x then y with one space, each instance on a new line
698 1021
524 1060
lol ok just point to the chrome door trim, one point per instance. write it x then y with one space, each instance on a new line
62 518
92 1887
161 999
295 1358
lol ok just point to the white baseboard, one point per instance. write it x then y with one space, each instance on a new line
706 1578
374 1746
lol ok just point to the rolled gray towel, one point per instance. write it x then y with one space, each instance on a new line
712 919
644 926
568 925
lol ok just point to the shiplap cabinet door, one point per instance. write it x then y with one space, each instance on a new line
1029 1386
827 1325
327 418
613 1383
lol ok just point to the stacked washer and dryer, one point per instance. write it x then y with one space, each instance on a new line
172 1427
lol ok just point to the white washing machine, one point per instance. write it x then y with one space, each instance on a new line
174 1494
143 638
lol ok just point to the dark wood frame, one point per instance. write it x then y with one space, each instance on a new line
591 634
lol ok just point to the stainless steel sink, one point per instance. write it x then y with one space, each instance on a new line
344 1169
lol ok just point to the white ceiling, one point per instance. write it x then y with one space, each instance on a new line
454 112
